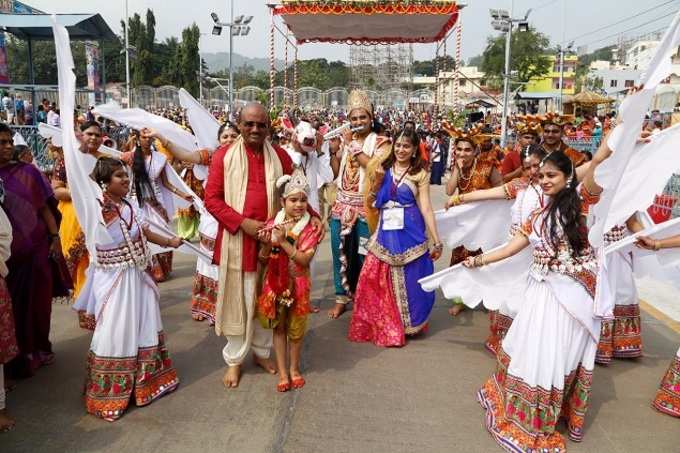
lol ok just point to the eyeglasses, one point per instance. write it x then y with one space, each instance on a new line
252 124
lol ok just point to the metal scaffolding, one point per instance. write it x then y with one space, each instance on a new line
381 67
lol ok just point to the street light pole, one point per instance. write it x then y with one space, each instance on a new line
561 77
231 69
237 27
503 21
506 83
127 54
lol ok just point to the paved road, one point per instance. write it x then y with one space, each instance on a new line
359 398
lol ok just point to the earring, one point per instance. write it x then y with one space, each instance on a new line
104 186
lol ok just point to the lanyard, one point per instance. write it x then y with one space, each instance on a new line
393 192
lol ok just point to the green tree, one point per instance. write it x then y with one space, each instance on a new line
188 59
528 59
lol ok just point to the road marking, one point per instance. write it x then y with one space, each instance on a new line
660 316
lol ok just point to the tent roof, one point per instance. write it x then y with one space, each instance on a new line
482 103
39 26
537 95
590 98
368 22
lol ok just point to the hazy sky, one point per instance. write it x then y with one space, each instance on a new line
548 16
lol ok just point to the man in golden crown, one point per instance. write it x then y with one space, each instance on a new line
241 194
351 216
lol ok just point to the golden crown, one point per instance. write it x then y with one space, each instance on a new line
358 99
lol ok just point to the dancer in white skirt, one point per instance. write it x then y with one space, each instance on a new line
620 335
204 293
128 359
528 196
546 360
153 192
667 398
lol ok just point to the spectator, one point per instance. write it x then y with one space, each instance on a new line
8 107
30 205
42 114
53 118
19 110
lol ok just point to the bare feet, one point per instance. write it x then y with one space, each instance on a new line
265 364
6 422
232 376
337 311
456 309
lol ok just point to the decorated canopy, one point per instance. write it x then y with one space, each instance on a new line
368 21
590 98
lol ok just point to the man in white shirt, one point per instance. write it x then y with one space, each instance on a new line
53 117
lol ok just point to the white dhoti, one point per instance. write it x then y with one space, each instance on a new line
255 336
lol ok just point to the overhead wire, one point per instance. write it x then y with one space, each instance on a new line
626 19
619 33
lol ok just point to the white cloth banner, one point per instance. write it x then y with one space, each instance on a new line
204 125
665 257
482 224
608 212
85 193
139 119
54 133
500 283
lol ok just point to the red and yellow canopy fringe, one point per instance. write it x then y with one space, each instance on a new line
368 21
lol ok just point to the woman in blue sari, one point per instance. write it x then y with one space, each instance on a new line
389 303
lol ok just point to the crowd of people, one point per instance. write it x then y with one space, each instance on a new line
261 201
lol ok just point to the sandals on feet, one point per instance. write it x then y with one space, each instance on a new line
283 387
298 382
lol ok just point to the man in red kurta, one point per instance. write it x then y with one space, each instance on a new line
254 127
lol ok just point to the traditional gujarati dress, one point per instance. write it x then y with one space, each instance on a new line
188 218
70 234
287 285
204 292
128 359
528 198
389 302
620 337
156 206
667 398
546 360
27 191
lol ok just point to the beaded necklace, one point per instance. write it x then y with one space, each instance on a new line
469 178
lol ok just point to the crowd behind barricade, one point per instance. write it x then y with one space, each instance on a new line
264 197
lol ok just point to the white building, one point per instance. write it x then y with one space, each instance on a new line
640 54
471 86
599 65
616 80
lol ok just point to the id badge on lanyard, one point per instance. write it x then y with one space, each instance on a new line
393 219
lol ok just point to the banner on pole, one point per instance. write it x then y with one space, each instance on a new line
4 68
92 54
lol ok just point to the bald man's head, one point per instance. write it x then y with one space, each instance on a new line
254 125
